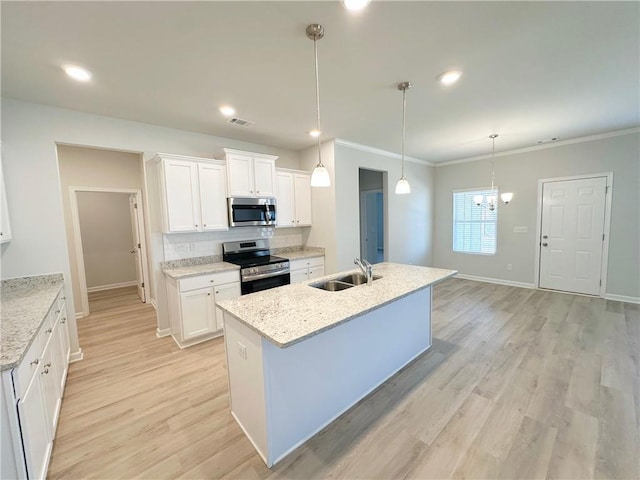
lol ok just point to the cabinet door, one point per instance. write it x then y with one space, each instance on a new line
302 199
224 292
197 309
62 362
240 175
181 183
5 226
284 193
300 275
213 196
35 433
265 173
315 272
50 382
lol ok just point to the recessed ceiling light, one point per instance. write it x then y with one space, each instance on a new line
450 77
77 73
355 4
227 110
314 133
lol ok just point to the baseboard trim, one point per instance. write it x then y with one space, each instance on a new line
112 286
153 303
76 356
497 281
79 315
622 298
165 332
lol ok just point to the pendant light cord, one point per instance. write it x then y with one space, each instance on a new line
404 123
315 53
493 155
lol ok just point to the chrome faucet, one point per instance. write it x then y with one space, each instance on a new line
367 269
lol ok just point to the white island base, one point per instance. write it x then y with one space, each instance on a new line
281 397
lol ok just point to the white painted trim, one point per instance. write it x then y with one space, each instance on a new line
165 332
589 138
153 303
622 298
112 286
246 433
79 315
606 230
498 281
76 356
377 151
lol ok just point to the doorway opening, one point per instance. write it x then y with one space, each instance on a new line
573 233
372 224
108 232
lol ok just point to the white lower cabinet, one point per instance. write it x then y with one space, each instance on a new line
306 269
32 397
193 314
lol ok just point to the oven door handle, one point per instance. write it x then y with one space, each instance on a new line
265 275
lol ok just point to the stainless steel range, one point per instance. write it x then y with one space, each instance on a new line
259 270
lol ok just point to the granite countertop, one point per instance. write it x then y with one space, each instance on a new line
202 269
292 313
301 254
25 304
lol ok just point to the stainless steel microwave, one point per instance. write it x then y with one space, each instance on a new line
252 212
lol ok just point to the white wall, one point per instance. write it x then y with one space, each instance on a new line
107 238
519 173
408 232
93 168
30 133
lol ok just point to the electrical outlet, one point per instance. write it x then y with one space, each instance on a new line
242 351
521 229
509 267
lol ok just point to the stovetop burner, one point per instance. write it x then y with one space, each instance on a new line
257 261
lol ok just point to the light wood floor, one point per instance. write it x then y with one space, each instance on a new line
519 384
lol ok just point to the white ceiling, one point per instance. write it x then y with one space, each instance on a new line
532 70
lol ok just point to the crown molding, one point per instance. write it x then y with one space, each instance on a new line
599 136
384 153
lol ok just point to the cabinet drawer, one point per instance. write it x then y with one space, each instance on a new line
32 361
306 263
212 279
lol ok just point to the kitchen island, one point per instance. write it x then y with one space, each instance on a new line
299 356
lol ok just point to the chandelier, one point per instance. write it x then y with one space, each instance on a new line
490 201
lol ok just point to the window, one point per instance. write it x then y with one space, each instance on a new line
474 227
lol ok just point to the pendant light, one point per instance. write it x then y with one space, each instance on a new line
490 202
403 187
320 176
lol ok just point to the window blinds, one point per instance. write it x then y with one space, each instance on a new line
474 227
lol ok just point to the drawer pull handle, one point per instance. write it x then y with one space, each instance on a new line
208 293
45 371
47 365
57 311
63 320
48 330
35 362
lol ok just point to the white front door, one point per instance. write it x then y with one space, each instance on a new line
572 235
135 227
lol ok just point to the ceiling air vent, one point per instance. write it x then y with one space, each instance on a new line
240 122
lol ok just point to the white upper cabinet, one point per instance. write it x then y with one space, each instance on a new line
249 174
194 193
293 193
5 226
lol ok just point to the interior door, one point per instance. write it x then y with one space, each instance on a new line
572 235
135 250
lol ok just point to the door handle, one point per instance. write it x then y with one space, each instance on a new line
545 236
132 251
545 244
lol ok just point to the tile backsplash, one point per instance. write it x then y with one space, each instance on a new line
188 245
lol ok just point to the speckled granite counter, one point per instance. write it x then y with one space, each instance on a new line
300 254
292 313
203 269
25 304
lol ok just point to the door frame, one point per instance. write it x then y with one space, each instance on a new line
77 239
607 225
363 216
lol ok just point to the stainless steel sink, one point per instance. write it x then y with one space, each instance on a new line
332 285
343 283
357 278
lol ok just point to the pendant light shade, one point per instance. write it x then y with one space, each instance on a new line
320 176
403 187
